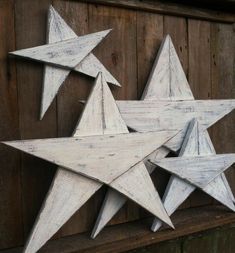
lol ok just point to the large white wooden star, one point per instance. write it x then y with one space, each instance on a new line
163 106
197 166
111 156
64 52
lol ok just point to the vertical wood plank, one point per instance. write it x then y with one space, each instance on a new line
31 17
118 53
199 77
118 50
149 37
75 87
199 58
11 226
177 28
179 35
223 79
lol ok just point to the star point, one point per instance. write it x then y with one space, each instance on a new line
198 166
167 102
101 140
63 53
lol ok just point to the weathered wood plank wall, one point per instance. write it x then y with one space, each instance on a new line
212 241
205 48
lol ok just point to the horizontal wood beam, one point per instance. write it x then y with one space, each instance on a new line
123 237
168 8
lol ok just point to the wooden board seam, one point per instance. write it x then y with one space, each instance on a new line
168 9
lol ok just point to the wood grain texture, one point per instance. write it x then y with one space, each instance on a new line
167 81
67 53
199 77
173 9
135 234
149 38
128 177
179 36
222 75
144 116
119 53
114 201
119 56
159 88
69 110
196 146
69 191
11 224
123 150
36 175
200 170
57 31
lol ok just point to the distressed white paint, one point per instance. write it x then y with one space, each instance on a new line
70 190
142 190
64 59
94 156
114 201
53 77
153 115
198 170
167 80
91 66
197 144
67 53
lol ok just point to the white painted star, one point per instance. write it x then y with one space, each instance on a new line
101 151
197 166
64 52
167 103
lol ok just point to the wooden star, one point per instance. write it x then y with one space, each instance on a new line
65 51
163 107
101 151
197 166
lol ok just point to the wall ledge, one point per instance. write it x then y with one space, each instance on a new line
132 235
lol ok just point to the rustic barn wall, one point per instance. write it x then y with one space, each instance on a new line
213 241
205 48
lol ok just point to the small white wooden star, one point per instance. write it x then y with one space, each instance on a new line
101 151
197 166
64 52
167 103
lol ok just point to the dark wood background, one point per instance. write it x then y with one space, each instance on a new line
205 48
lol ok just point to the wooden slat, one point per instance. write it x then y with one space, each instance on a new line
223 77
199 77
11 227
179 36
169 9
36 174
136 234
118 53
70 191
149 37
196 143
90 155
153 115
76 87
